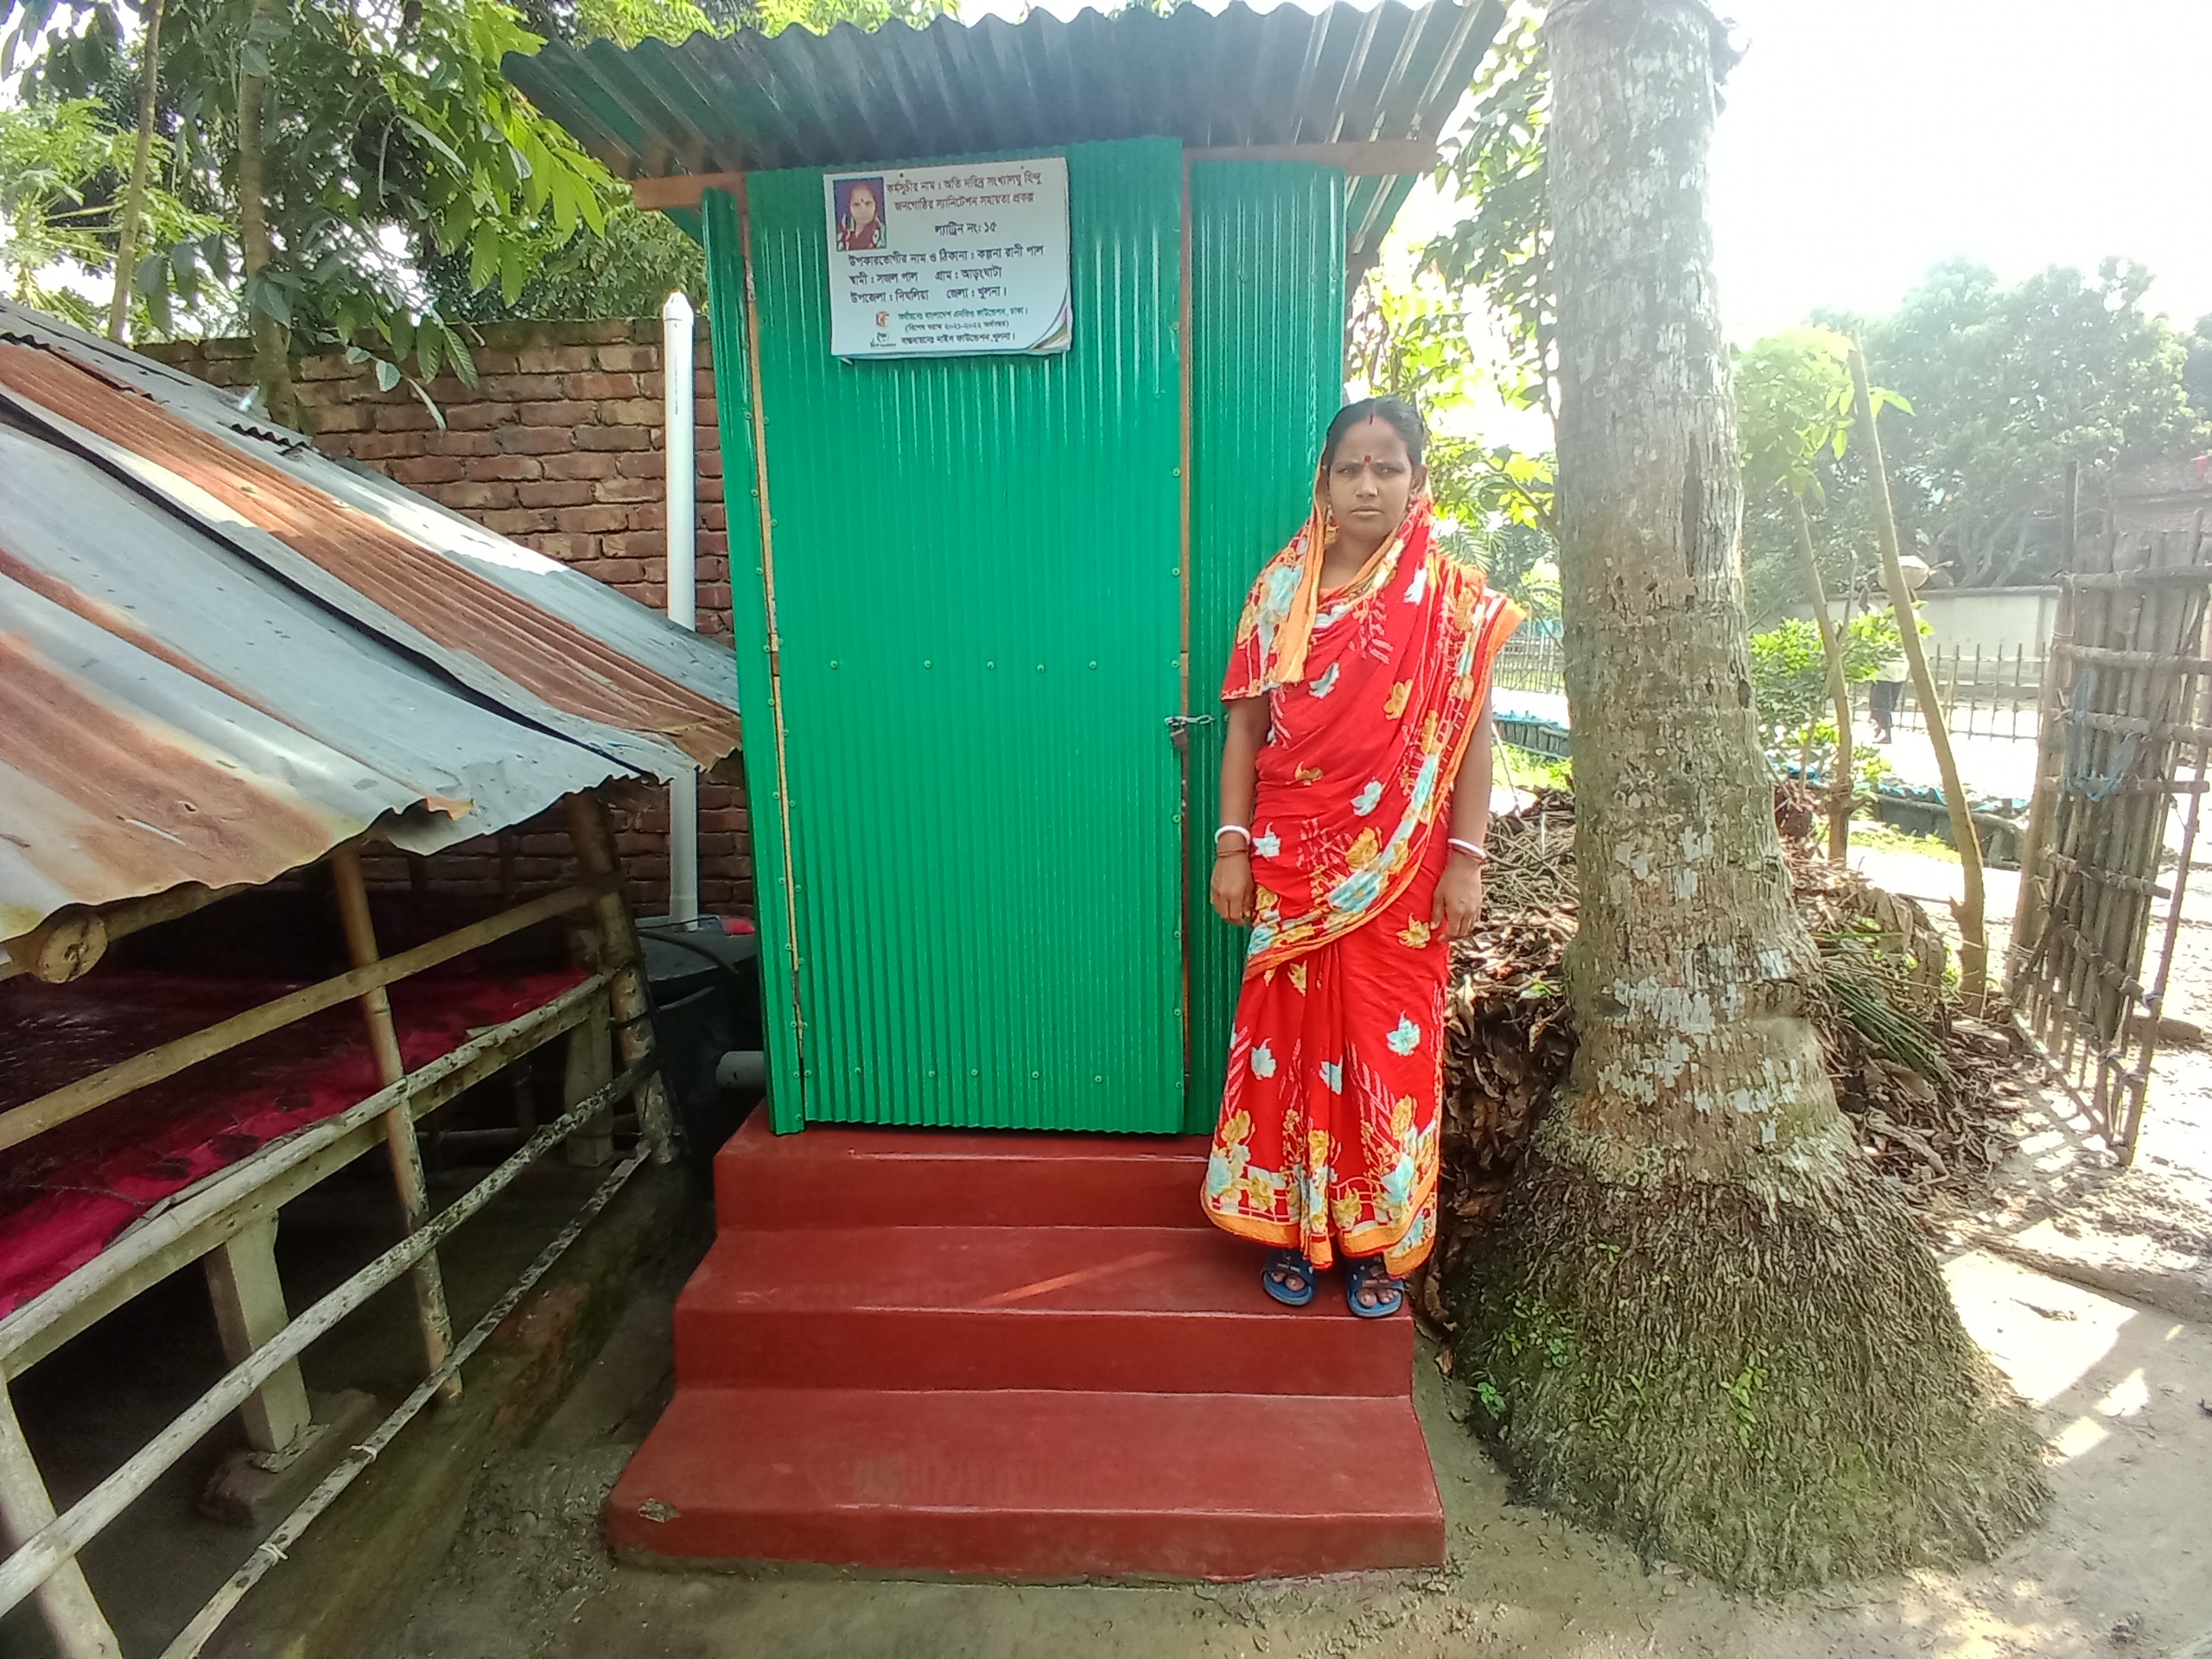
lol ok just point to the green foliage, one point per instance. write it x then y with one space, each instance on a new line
1793 410
1502 248
2007 386
62 168
1789 682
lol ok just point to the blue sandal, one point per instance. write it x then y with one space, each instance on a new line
1371 1291
1283 1267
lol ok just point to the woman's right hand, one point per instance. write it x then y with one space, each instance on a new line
1231 889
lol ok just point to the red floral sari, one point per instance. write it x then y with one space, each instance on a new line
1328 1133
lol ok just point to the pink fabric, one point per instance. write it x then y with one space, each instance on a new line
64 1195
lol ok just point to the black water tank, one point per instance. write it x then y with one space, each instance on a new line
706 991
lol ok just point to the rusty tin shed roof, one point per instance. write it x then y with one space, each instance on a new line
1216 79
222 653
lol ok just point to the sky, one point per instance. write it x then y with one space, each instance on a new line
1865 140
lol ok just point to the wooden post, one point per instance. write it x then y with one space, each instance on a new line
590 1064
80 1629
592 838
249 1297
398 1123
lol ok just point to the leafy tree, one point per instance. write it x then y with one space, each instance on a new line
1701 1322
1790 685
2008 387
61 164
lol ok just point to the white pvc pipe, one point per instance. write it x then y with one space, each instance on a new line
683 583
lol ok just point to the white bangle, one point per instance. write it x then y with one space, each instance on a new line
1232 829
1479 855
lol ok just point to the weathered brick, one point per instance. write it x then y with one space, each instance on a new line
580 466
418 470
450 442
384 445
404 417
514 521
553 360
492 358
479 415
557 493
325 366
629 490
600 385
618 570
590 519
627 359
630 411
649 515
604 329
567 411
536 440
519 387
342 418
480 498
511 468
611 437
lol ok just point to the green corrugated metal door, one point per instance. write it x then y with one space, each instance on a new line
1268 298
977 603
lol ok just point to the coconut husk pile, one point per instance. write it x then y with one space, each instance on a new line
1931 1092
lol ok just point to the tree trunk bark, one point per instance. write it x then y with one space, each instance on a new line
1701 1322
1973 936
1841 787
272 363
134 200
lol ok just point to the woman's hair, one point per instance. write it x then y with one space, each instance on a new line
1396 413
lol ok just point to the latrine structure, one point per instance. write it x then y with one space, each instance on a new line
229 666
983 588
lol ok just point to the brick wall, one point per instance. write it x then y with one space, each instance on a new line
557 446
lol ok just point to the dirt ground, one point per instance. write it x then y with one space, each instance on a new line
2091 1286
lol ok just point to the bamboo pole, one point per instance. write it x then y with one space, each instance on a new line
433 1318
167 1059
592 839
1973 938
80 1630
1841 786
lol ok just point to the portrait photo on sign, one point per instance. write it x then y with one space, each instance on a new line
860 214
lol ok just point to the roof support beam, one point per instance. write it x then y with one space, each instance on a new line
1376 158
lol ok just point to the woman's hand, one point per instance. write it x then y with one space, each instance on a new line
1459 897
1232 888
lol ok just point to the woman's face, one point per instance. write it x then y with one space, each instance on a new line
862 205
1372 480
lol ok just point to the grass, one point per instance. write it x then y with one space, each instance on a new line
1523 768
1888 838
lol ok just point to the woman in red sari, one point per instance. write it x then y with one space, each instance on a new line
1355 798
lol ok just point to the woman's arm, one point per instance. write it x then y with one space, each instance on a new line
1231 887
1459 889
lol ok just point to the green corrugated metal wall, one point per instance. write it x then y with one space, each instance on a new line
1268 298
977 594
978 612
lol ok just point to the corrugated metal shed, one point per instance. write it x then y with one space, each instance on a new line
1222 80
221 654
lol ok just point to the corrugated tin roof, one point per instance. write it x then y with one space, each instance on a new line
221 653
1213 79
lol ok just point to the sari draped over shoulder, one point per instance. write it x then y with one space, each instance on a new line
1327 1134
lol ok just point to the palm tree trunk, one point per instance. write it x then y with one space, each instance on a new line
1974 938
1702 1322
134 200
1840 789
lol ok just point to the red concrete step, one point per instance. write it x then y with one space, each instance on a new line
831 1176
1150 1309
1034 1484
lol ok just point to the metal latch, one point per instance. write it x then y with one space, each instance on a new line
1179 728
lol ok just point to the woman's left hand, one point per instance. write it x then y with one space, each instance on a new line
1459 897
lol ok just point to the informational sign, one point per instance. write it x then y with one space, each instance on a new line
948 261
